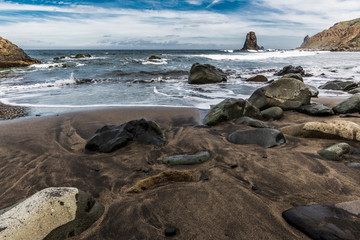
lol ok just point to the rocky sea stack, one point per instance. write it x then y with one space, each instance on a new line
343 36
13 56
251 42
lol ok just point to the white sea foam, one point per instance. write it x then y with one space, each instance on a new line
155 62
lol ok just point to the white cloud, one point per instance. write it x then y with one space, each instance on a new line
195 2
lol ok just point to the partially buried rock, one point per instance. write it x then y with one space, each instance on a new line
111 138
316 110
335 152
297 76
350 105
53 213
248 121
291 69
326 221
205 73
257 78
339 85
287 93
230 109
187 159
264 137
272 113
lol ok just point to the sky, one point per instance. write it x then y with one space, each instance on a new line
170 24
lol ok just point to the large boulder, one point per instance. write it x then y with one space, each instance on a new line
13 56
335 152
335 129
110 138
339 85
326 221
350 105
53 213
251 42
287 93
316 110
229 109
205 73
291 69
265 137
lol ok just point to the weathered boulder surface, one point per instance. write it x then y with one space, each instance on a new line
291 69
326 221
265 137
13 56
335 152
272 113
53 213
297 76
339 85
205 73
229 109
336 129
354 91
187 159
248 121
315 109
287 93
251 42
110 138
314 91
350 105
257 78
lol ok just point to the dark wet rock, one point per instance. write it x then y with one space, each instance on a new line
272 113
229 109
97 169
52 213
349 116
8 112
234 166
335 152
111 138
146 171
170 231
251 42
326 221
297 76
251 122
314 91
287 93
257 78
13 56
356 152
254 188
353 165
354 91
315 109
82 55
339 85
264 137
205 73
350 105
187 159
153 57
291 69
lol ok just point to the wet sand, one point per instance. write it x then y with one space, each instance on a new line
221 203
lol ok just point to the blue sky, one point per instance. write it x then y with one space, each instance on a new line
171 24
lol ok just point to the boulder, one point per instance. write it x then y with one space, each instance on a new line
354 91
82 55
335 152
205 73
287 93
251 122
265 137
314 91
153 57
229 109
291 69
251 42
326 221
350 105
13 56
110 138
53 213
339 85
272 113
336 129
297 76
187 159
315 109
257 78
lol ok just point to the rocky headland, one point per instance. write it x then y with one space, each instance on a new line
343 36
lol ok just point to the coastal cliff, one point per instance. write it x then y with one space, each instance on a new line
13 56
343 36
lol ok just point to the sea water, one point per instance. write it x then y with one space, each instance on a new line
111 78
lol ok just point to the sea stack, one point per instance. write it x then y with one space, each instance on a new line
251 42
13 56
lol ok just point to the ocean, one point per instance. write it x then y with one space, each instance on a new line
112 78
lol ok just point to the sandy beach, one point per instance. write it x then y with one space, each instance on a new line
240 193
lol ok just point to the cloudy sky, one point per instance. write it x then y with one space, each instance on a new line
168 24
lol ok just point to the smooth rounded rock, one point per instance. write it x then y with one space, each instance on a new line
187 159
264 137
257 78
316 110
205 73
170 231
335 152
350 105
251 122
297 76
272 113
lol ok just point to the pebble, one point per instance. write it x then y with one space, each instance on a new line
146 170
138 169
170 231
234 166
150 163
97 169
254 188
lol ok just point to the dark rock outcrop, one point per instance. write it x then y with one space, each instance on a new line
265 137
205 73
316 110
350 105
251 42
257 78
82 55
339 85
230 109
287 93
153 57
291 69
13 56
110 138
326 221
306 39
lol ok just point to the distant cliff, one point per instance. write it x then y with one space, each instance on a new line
343 36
